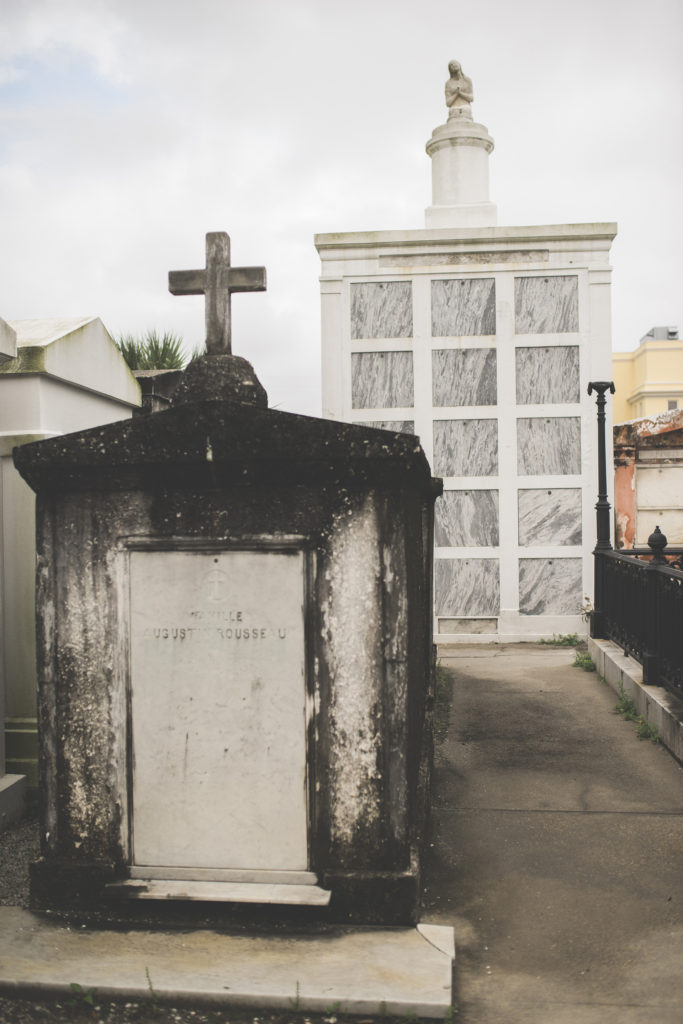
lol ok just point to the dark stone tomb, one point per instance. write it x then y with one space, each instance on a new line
235 655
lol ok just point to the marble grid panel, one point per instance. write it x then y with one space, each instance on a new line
550 586
381 380
382 309
547 305
466 447
548 447
468 586
547 375
397 426
549 516
467 519
464 376
463 307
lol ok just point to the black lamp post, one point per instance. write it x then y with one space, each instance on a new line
602 508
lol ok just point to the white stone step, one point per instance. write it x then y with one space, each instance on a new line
225 892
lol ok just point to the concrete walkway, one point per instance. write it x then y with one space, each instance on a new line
557 847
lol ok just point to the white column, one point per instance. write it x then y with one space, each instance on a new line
460 176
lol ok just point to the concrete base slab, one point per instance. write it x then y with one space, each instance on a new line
364 970
12 798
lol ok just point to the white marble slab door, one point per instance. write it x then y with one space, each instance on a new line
217 699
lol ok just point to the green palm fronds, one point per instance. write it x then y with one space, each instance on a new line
152 352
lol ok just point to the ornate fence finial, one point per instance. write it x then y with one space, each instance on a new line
657 542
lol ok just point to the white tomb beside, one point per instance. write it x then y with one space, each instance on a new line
56 376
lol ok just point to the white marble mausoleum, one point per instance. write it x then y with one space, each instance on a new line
481 340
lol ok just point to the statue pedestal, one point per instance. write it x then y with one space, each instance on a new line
460 176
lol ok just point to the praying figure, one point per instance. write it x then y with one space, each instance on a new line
459 93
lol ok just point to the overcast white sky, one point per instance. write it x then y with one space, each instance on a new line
130 128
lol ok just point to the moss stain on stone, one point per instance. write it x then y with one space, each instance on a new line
30 359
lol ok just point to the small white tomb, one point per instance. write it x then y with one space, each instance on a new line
56 375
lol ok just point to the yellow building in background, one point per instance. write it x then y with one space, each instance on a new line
649 379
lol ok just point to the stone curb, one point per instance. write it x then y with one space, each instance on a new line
659 708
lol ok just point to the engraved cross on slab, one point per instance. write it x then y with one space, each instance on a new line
217 281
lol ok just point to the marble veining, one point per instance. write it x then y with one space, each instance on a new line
548 447
550 586
549 516
467 519
547 305
463 307
547 375
464 376
466 447
467 586
381 380
382 309
397 426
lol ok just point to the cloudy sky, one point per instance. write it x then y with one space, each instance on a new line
130 128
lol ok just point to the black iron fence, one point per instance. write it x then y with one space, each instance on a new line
641 608
638 591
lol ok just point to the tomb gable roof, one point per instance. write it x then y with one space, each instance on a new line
75 350
219 443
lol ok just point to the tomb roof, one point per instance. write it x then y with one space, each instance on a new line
75 350
218 443
46 330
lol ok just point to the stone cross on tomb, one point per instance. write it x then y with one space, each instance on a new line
217 281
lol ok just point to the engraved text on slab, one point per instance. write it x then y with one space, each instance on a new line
218 709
